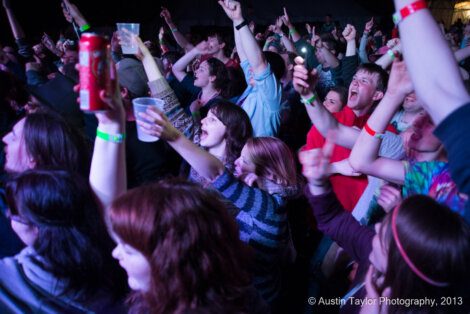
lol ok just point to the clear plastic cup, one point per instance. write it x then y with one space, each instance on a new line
140 105
129 47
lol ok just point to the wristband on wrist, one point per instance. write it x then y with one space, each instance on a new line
174 29
292 31
114 138
391 54
309 101
85 27
407 10
242 24
371 132
196 114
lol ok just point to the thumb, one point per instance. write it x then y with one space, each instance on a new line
299 60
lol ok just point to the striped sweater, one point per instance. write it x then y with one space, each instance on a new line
262 220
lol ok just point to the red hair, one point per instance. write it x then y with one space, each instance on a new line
192 244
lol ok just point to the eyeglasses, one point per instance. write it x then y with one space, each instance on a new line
17 218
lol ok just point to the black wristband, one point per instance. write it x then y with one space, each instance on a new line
242 24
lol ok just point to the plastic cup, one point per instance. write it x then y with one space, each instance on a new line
140 105
129 47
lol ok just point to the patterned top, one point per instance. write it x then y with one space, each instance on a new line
432 178
262 220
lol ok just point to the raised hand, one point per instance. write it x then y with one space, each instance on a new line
165 14
71 11
399 82
390 197
393 43
315 162
286 18
233 9
158 125
203 47
309 28
47 42
369 25
115 115
349 33
304 82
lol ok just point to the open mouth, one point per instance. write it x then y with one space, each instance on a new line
203 134
353 95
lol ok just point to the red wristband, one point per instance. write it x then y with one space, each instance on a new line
408 10
371 132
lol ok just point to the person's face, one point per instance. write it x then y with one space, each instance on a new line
422 138
213 131
363 91
202 78
70 56
39 51
333 102
411 103
214 45
244 165
378 255
135 264
17 158
327 19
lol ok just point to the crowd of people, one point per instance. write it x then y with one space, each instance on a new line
291 164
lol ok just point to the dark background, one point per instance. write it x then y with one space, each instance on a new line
46 15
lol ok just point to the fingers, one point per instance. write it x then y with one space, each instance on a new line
151 129
371 287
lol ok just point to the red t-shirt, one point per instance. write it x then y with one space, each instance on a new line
347 189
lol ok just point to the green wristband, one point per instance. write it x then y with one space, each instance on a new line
114 138
85 27
308 101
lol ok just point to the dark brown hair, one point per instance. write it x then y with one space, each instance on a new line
437 241
217 68
53 143
237 125
382 75
192 244
72 240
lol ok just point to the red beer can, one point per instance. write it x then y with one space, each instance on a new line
95 68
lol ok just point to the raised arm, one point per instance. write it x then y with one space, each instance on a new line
363 43
364 156
250 46
108 166
349 34
292 31
207 165
395 49
160 88
177 35
330 58
329 214
179 68
435 74
15 26
304 84
75 13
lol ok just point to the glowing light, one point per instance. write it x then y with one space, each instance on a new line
462 10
